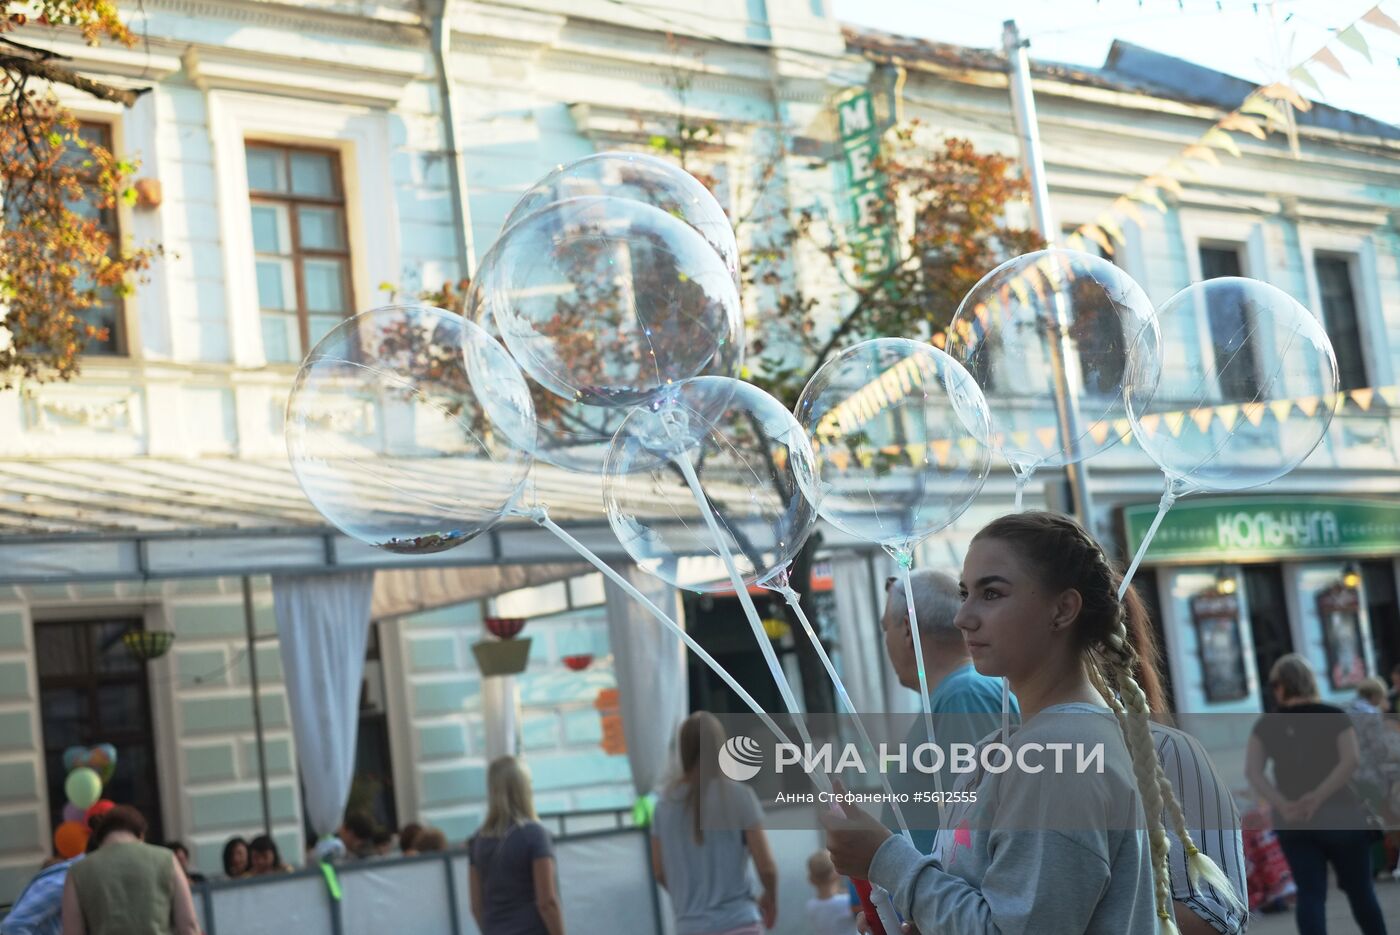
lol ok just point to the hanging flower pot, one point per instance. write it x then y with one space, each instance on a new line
505 628
501 657
578 661
148 644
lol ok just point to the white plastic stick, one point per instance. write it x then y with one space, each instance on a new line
904 561
682 460
1168 498
795 602
542 518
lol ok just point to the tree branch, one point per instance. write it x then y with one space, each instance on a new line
57 74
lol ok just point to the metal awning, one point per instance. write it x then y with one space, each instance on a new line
77 519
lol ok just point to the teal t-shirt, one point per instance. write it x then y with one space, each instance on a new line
966 707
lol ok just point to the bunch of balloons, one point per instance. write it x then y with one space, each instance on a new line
89 769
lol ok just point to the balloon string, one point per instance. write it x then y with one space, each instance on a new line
795 602
904 561
1168 498
682 460
541 517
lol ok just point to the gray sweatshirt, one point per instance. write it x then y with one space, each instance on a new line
1052 852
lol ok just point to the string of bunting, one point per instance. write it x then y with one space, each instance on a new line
1257 116
946 452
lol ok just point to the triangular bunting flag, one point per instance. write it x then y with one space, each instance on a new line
1174 420
1163 180
1075 241
1097 236
865 457
1303 76
1325 56
1124 205
891 451
1308 404
1259 104
840 458
1238 121
1111 228
1229 415
1046 437
1148 196
1123 427
1351 38
1022 290
941 450
1181 169
1378 18
1202 153
1254 412
1281 408
1202 417
1391 395
1219 139
968 446
1149 423
1282 92
1362 396
1099 432
918 454
1021 440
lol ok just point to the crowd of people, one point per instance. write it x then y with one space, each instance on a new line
1152 842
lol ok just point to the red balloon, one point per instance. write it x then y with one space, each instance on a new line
98 809
71 839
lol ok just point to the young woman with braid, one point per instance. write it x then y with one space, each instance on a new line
1058 850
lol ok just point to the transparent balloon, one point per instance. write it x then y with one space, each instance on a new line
897 429
1247 390
637 177
576 436
1016 326
749 456
387 430
605 301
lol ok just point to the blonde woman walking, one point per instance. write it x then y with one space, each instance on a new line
513 888
1059 850
705 830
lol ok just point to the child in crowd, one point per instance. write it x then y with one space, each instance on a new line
829 912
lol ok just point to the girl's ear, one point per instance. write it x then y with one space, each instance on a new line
1066 609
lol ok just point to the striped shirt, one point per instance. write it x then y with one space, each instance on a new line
39 909
1213 821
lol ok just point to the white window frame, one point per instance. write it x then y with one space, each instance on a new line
1197 232
361 137
1370 321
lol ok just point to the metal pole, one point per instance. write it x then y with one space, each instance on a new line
249 625
1028 131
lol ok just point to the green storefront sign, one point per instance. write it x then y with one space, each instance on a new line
1257 528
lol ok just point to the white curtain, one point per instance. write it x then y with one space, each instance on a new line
864 668
649 661
323 623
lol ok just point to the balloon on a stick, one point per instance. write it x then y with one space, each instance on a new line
1053 316
388 433
1246 393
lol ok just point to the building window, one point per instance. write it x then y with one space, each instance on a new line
1334 287
1231 326
106 312
303 253
92 690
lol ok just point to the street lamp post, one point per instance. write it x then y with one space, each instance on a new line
1028 131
